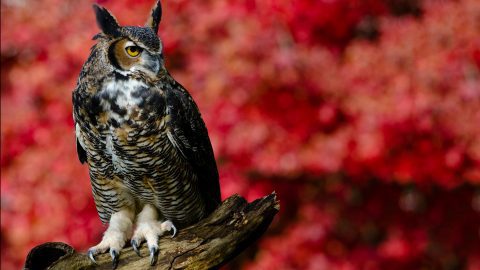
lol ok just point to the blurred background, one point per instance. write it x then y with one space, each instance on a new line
363 115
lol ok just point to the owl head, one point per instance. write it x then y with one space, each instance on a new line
131 48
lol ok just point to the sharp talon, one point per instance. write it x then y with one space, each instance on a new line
174 231
153 255
115 256
90 256
135 247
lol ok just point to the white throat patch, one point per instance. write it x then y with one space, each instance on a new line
120 92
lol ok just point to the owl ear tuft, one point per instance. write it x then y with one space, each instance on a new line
106 22
156 15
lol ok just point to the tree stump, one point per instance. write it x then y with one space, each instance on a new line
210 243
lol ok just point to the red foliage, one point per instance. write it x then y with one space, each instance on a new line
372 145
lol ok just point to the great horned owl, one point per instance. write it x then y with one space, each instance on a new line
148 151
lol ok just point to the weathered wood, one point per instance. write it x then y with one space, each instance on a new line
208 244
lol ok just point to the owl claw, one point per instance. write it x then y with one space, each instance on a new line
153 255
91 257
168 226
115 256
174 231
135 247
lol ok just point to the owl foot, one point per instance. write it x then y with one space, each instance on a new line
149 229
112 241
114 237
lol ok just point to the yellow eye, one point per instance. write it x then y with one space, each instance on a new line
133 51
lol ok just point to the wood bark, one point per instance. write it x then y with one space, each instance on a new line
210 243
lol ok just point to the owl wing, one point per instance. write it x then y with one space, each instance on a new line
76 99
82 154
85 110
189 135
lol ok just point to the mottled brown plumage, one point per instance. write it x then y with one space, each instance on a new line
142 136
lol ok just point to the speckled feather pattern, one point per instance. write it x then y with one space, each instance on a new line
143 35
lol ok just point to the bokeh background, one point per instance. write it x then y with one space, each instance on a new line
363 115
